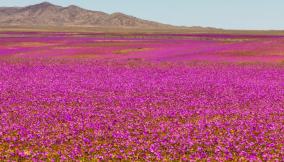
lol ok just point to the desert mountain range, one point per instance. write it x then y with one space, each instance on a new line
47 14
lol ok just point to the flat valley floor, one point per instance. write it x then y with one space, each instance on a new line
141 97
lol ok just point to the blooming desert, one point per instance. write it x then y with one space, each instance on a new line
141 97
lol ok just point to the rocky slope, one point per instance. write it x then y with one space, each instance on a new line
47 14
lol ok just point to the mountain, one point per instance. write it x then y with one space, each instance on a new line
47 14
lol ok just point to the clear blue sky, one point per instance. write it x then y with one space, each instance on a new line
230 14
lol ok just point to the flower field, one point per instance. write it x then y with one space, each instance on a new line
139 97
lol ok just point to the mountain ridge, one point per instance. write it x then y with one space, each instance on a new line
48 14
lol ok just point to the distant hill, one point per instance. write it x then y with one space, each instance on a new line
47 14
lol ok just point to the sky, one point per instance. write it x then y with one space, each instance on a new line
227 14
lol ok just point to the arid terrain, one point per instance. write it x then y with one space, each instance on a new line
82 85
131 96
47 14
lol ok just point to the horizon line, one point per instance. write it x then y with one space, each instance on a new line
177 25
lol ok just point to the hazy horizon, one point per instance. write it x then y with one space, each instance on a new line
236 14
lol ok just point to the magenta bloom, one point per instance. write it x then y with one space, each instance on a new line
141 97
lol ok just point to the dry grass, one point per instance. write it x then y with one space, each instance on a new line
178 30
